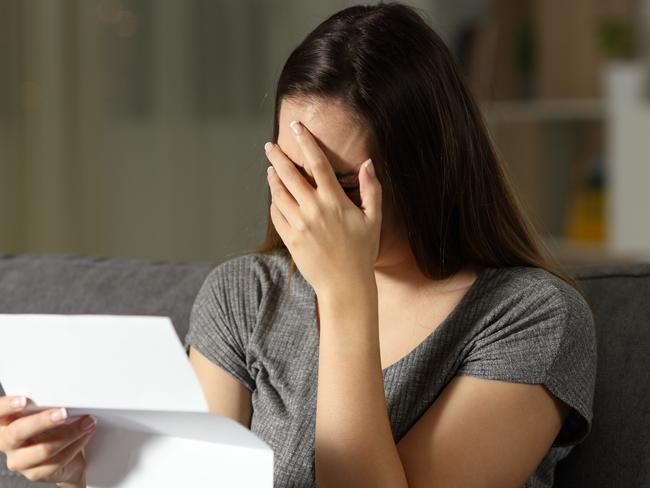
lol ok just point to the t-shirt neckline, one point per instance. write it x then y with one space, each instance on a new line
451 317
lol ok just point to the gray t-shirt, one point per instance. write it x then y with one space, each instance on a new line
514 324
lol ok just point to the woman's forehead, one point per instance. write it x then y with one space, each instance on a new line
339 133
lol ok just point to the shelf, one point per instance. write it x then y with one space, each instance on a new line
570 253
543 110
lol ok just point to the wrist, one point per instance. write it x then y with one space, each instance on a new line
348 289
348 294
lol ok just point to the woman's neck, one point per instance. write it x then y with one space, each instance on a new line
398 275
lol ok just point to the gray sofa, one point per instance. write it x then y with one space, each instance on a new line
616 453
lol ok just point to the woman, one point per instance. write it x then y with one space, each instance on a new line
400 326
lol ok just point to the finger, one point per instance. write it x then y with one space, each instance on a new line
76 466
20 430
10 407
283 200
370 191
39 453
320 166
53 469
301 190
279 222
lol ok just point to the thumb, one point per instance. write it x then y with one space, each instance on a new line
370 191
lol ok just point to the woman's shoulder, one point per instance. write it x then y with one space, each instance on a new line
254 275
534 327
533 304
254 265
527 287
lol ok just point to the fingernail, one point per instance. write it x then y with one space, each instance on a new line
58 415
270 170
18 403
296 127
88 423
268 146
369 167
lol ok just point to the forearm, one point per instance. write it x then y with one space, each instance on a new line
354 443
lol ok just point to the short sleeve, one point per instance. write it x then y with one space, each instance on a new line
544 334
220 319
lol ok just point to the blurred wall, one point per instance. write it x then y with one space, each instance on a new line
135 127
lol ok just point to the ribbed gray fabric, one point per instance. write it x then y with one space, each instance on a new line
514 324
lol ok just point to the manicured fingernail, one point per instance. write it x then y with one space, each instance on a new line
369 167
88 423
270 170
296 126
268 146
18 403
58 415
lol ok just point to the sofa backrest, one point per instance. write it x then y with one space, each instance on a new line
616 453
77 285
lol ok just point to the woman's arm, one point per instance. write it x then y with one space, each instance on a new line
335 244
224 394
354 442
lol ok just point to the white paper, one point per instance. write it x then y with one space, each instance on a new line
124 362
132 374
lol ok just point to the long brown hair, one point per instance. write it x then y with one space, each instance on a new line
431 148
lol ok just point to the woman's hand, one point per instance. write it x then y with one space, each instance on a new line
332 241
41 446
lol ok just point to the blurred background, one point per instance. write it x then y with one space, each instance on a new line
134 128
